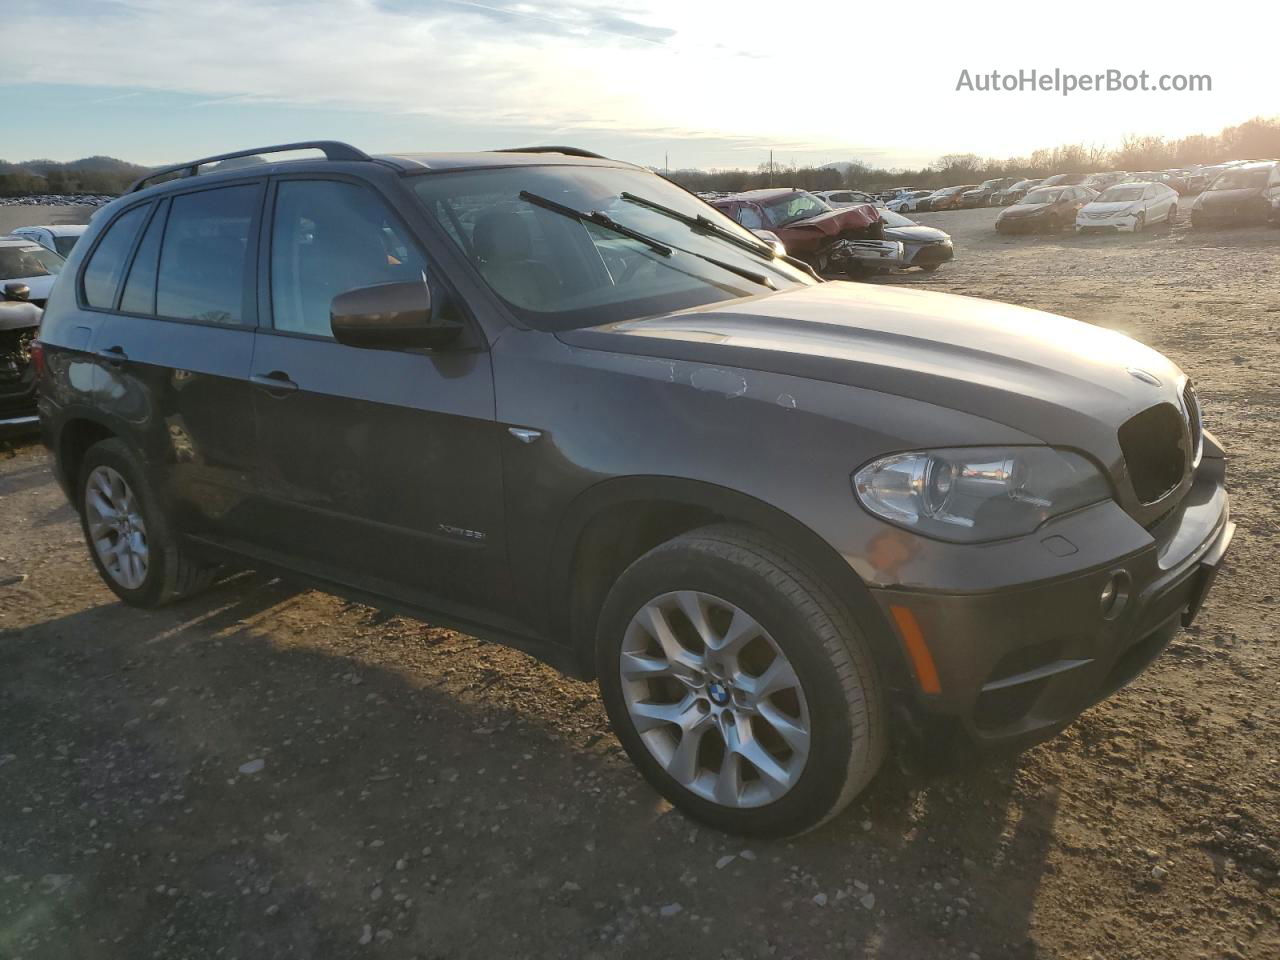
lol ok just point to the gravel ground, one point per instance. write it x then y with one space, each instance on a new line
262 772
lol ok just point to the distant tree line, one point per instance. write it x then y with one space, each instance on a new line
1255 139
103 175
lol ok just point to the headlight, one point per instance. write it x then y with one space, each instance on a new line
971 494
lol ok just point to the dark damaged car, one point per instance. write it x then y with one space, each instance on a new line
555 401
849 238
1244 194
19 323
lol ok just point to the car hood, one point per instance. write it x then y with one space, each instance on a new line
857 217
1060 380
15 315
916 234
1024 210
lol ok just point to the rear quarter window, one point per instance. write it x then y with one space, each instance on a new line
103 272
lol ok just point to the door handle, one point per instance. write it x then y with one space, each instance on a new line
277 381
113 354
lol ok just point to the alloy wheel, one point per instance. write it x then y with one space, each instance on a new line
714 699
116 528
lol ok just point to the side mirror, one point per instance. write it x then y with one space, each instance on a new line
17 290
390 316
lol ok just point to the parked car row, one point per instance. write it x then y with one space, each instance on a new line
58 200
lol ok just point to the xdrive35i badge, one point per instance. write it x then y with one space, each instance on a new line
461 533
1142 375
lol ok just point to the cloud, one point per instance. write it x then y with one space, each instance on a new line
554 20
698 76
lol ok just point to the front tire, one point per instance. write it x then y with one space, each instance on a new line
129 536
739 685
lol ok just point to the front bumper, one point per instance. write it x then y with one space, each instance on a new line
1127 222
865 254
1021 224
1015 666
928 254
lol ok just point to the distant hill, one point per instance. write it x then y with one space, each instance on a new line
87 175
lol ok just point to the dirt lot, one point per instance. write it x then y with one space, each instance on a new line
268 773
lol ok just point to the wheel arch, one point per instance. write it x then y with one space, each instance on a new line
615 522
74 438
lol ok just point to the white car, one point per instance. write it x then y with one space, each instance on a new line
59 238
25 263
846 198
1129 206
907 202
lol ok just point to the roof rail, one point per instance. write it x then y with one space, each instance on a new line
567 151
332 149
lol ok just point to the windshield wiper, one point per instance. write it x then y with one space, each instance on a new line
706 224
700 222
599 218
602 219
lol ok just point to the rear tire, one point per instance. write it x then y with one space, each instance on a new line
750 699
129 536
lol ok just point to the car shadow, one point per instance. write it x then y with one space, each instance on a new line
267 772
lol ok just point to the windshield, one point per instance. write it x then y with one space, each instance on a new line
1121 195
19 263
64 244
794 207
892 219
1042 196
1241 179
560 273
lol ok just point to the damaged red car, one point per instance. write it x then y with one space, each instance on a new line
848 239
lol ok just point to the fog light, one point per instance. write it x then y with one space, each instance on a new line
1114 595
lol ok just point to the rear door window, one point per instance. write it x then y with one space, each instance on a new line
103 272
205 254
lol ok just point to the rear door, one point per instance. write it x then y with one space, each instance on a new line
174 350
381 468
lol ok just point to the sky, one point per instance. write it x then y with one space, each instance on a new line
684 82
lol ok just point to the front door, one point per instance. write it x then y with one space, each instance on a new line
378 468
